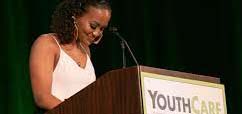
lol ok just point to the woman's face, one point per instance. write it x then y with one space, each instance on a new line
91 24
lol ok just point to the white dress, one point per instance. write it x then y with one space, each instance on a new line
69 78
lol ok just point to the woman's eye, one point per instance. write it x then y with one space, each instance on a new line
93 26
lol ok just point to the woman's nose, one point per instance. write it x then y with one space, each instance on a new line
97 33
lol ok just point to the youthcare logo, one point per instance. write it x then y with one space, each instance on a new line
193 105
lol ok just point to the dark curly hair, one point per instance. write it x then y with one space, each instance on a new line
62 22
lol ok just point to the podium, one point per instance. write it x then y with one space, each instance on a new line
118 92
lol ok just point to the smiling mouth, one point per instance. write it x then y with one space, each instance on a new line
96 39
90 40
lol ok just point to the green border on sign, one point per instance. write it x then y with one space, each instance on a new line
177 79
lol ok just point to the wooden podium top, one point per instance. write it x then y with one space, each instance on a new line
179 74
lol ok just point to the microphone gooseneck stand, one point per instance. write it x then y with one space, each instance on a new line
123 53
124 44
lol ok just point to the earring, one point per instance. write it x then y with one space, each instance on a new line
73 17
76 31
76 28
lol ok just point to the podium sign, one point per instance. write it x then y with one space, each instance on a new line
172 95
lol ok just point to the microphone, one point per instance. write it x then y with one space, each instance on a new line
123 43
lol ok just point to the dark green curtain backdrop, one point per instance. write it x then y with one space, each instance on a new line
195 36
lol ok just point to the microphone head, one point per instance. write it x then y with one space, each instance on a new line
113 29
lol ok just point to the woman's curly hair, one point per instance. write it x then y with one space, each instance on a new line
62 23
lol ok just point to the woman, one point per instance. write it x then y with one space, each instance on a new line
60 63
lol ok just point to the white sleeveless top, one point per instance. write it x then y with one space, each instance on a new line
69 78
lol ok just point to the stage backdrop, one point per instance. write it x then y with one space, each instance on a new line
195 36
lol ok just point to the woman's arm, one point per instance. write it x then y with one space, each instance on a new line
41 63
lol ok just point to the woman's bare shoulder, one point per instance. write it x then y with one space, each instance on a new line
46 42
